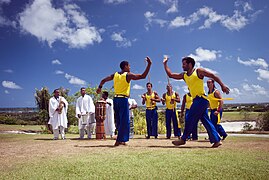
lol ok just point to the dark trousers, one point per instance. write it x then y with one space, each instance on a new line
152 122
170 114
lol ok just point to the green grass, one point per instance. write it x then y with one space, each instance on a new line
149 162
236 116
7 127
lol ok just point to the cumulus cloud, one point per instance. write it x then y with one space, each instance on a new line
59 72
235 92
8 71
136 86
150 18
205 54
263 74
172 4
56 61
115 1
6 92
120 40
10 85
254 62
4 21
234 22
67 24
74 80
255 89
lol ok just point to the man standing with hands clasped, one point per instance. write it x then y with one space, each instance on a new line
122 85
194 80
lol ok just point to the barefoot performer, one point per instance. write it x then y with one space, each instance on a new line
122 84
194 80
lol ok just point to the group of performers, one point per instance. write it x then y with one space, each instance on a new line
196 104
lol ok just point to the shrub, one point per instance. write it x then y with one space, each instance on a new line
263 121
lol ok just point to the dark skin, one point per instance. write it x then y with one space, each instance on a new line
104 97
82 92
189 69
56 95
149 92
217 94
130 76
183 105
170 93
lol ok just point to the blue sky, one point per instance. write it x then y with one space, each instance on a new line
74 43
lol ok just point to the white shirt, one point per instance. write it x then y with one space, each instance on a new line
57 119
131 102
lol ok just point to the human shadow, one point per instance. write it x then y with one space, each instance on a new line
184 147
95 146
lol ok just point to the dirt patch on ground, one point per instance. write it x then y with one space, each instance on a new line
20 150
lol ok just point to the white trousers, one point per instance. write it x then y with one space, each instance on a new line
89 128
56 132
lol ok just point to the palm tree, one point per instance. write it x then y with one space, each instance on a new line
42 100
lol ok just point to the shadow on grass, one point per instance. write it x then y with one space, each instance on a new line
186 147
98 146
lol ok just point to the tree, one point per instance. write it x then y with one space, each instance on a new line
42 100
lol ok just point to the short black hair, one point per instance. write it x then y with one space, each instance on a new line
149 83
189 60
56 90
82 88
105 93
123 64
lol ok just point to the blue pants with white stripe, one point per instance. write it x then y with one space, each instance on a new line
121 109
198 111
214 120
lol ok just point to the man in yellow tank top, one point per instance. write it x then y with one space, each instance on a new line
122 86
187 102
170 99
150 98
215 107
198 110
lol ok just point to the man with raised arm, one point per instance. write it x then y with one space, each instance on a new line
194 80
122 84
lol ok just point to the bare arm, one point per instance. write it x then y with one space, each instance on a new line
177 98
183 105
204 73
156 97
132 76
106 79
143 99
218 95
168 71
163 99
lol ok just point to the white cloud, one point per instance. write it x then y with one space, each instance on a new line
68 24
173 5
252 62
74 80
8 71
205 54
235 92
263 74
179 21
150 17
59 72
136 86
245 5
236 22
10 85
56 61
115 1
4 21
255 89
6 92
120 40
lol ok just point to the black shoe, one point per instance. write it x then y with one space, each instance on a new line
156 137
168 137
147 137
224 137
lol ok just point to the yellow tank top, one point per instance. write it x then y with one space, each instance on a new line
213 103
168 101
121 86
195 84
188 101
149 103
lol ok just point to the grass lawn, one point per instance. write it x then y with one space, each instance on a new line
39 157
236 116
